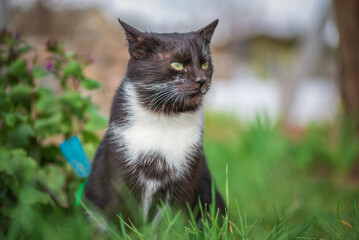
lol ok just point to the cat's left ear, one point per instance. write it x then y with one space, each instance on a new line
207 31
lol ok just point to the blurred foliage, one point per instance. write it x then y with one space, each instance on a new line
36 183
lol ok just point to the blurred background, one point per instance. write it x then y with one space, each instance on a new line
283 115
276 57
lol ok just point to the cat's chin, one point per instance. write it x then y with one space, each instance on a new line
194 101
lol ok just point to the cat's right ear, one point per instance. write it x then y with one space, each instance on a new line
134 38
207 31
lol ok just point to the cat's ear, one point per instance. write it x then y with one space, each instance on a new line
207 31
134 37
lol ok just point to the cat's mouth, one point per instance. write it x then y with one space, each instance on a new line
195 98
195 95
204 90
199 91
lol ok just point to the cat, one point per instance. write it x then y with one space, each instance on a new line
152 150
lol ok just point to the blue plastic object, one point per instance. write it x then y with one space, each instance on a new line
76 157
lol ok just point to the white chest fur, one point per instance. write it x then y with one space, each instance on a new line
172 136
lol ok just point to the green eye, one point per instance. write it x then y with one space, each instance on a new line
176 65
205 65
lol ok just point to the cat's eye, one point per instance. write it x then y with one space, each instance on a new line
176 65
205 65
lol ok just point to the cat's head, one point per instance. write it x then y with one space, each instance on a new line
171 72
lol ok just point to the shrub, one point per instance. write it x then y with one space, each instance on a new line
35 179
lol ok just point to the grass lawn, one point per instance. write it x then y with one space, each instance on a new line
271 175
277 187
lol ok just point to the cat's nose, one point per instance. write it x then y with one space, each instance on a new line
200 81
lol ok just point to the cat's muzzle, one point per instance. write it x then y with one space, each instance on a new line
204 90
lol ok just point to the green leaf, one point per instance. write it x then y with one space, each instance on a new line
91 84
20 136
5 163
31 195
48 125
46 100
89 136
20 94
7 211
73 68
66 126
4 100
24 49
10 119
39 72
21 117
19 65
73 102
51 152
52 178
15 162
17 72
95 120
10 41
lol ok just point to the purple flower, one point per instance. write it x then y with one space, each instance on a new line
49 65
16 35
90 59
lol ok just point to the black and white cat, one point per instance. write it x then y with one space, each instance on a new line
153 148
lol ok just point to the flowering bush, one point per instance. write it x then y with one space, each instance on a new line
35 180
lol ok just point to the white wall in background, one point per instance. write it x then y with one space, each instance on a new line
315 100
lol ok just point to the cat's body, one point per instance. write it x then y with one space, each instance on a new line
153 148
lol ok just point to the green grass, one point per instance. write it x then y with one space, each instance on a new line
275 188
270 175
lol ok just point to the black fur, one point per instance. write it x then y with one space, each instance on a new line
113 184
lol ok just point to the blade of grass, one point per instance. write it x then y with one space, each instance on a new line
98 219
227 189
122 226
170 225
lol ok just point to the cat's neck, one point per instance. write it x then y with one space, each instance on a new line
137 111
